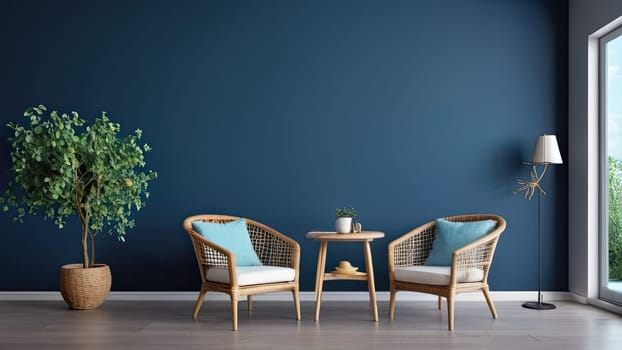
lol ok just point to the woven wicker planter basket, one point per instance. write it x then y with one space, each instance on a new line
83 288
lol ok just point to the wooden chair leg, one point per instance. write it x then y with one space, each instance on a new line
198 304
491 306
440 302
234 312
392 303
450 311
296 294
249 301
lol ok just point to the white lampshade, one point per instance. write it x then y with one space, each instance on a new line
546 150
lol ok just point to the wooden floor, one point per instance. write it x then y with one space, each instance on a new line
343 325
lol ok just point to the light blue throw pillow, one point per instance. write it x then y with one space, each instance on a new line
232 236
453 235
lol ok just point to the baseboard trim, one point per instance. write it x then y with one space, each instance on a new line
605 305
304 296
578 298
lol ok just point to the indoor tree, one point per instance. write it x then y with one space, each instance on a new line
62 166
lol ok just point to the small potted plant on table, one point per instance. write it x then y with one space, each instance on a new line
343 221
63 167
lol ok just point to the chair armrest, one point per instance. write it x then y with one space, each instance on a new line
210 255
272 247
293 249
477 254
413 247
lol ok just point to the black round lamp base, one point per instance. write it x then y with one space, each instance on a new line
538 306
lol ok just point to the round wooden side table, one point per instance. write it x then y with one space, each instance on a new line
365 237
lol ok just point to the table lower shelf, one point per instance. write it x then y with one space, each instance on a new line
331 276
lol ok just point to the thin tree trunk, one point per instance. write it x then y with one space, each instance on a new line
85 252
84 219
92 249
85 236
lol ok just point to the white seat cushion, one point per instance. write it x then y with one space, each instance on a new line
248 275
437 275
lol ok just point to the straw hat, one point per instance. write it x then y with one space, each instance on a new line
346 268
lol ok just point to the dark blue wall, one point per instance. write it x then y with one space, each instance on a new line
281 111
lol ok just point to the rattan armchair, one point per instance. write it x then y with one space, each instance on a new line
272 248
412 249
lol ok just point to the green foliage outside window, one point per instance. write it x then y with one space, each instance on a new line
615 219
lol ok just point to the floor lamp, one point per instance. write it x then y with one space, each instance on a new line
545 152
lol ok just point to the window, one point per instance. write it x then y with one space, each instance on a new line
611 166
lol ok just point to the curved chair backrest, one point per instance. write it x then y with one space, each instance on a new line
414 247
270 245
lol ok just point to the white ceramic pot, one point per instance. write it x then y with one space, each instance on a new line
343 225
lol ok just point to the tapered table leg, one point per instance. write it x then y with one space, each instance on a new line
370 280
319 278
